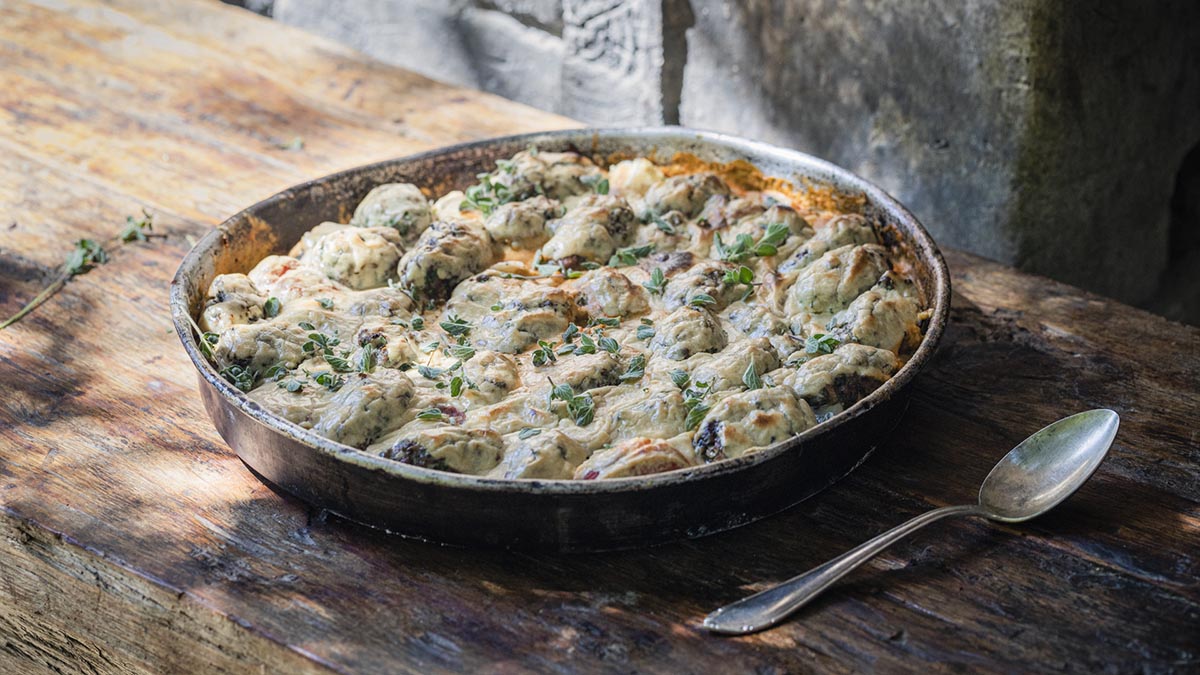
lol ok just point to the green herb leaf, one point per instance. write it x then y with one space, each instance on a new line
366 360
456 385
330 381
240 377
628 256
658 282
431 415
528 432
87 254
750 378
271 308
609 345
544 354
582 410
636 370
430 372
645 332
570 333
325 303
586 344
701 299
562 392
681 379
338 363
456 326
776 234
306 325
275 372
462 352
696 413
597 182
136 229
662 224
418 323
821 343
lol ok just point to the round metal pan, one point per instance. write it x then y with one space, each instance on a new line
557 515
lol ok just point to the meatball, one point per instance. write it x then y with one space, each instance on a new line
302 404
550 454
831 283
359 257
670 262
449 448
843 377
609 293
879 318
446 253
755 227
661 413
308 239
749 420
839 231
591 231
757 320
303 282
705 278
495 375
368 406
399 206
385 301
522 224
727 369
632 177
258 346
232 299
556 175
721 211
585 371
636 457
271 269
510 315
685 194
393 345
686 331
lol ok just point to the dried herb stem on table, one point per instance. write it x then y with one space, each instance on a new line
87 255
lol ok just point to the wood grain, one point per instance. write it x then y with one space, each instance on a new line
134 540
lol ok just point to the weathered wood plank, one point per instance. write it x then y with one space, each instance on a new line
133 539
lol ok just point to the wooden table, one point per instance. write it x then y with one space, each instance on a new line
134 540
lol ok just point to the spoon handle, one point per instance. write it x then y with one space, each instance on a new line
771 606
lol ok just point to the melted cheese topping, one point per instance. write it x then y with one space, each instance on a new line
565 320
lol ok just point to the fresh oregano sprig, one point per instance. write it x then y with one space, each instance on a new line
86 256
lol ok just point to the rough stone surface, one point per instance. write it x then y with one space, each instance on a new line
614 61
1035 133
1043 134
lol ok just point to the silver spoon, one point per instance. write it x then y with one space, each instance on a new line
1033 478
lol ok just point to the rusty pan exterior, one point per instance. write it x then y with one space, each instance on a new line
543 514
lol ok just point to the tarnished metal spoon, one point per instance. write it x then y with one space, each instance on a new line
1033 478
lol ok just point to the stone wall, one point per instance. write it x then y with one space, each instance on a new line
1041 133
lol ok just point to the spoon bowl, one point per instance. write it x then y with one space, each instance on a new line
1031 479
1047 467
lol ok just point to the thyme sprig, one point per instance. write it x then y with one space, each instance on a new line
87 255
